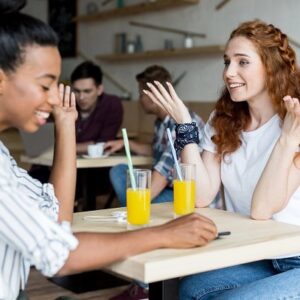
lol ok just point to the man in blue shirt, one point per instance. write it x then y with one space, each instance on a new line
162 166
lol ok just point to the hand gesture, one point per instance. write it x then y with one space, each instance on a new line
168 101
113 146
291 123
188 231
66 110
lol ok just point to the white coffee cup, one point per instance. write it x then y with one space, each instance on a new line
95 150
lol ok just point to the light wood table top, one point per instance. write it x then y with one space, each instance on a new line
110 161
250 240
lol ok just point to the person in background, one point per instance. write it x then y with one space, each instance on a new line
251 147
100 114
160 150
35 218
162 167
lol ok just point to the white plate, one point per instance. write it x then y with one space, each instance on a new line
94 157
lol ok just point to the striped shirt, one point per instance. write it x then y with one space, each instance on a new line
29 233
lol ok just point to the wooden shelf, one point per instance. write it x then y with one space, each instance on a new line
134 9
213 49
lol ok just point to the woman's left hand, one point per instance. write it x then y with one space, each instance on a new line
291 123
168 101
66 111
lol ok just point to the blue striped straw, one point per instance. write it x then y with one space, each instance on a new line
174 154
127 150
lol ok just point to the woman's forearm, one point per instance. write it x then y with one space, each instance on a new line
63 175
277 182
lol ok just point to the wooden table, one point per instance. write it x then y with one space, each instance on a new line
110 161
89 192
250 240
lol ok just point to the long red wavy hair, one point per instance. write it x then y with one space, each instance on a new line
279 60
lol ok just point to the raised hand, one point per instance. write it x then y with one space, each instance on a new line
169 101
291 123
66 110
188 231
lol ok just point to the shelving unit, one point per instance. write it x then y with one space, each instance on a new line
134 9
154 54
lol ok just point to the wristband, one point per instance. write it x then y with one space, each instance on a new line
186 133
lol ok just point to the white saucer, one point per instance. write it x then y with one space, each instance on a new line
94 157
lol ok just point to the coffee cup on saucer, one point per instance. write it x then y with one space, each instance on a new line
95 150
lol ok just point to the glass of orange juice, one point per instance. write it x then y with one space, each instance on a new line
138 199
184 190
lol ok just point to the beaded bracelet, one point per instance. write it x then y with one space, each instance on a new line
186 133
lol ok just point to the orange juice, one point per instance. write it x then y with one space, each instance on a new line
184 196
138 206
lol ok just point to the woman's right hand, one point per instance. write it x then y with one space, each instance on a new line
188 231
168 101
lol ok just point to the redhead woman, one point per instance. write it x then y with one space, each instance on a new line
251 145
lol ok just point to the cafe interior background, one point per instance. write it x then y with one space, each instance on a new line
185 36
201 70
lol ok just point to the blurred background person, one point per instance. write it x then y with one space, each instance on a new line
100 114
162 167
160 150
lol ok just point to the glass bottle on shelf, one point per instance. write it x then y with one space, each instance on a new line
138 43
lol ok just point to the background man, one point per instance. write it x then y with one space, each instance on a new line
100 114
162 168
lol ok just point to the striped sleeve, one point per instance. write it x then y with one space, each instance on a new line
24 227
43 194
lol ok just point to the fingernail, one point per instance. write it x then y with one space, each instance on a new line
149 84
156 82
145 91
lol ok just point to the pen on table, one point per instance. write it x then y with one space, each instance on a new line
223 233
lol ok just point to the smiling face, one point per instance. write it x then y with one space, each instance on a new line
87 93
244 72
27 96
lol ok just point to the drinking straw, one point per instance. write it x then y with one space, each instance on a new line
127 150
174 154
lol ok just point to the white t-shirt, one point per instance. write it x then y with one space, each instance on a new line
241 170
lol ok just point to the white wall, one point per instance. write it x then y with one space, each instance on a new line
203 80
37 8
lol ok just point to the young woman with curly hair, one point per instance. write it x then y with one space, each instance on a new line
251 144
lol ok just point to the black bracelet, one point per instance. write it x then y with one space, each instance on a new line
186 133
